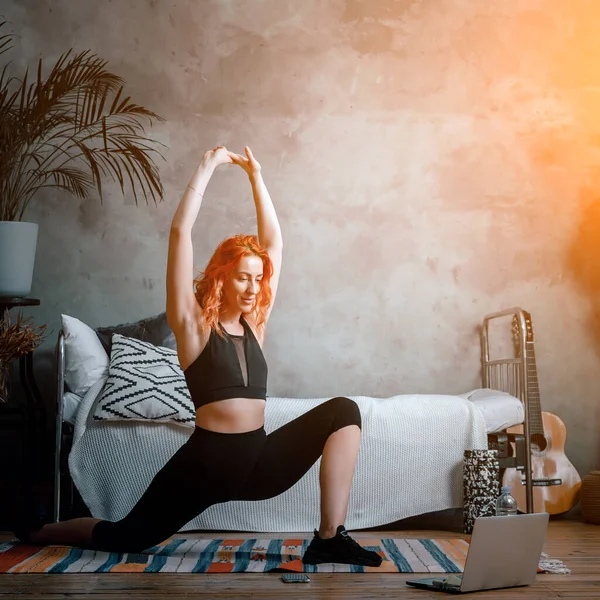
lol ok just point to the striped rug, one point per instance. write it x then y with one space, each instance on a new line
222 555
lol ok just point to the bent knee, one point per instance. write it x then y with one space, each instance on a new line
346 412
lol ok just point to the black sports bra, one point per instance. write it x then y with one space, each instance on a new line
217 372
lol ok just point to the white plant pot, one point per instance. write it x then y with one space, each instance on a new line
18 242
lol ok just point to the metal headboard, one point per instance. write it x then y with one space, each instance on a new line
510 375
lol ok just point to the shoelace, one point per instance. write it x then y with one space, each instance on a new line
349 540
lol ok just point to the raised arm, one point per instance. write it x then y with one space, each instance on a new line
269 231
182 307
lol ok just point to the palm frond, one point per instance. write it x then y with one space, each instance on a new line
79 112
75 181
78 182
5 40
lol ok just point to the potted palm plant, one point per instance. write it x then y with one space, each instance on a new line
68 130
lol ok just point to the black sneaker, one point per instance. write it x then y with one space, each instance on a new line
339 549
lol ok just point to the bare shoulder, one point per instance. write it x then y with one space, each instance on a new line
191 336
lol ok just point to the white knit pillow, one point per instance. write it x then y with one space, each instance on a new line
86 360
145 383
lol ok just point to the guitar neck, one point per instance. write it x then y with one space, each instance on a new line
536 425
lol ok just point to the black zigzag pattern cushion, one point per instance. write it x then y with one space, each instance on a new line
145 383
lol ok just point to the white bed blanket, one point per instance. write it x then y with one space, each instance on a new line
410 463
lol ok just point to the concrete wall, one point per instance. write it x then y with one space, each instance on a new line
431 162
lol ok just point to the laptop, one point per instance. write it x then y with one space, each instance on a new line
504 552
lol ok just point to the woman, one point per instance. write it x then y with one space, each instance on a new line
220 331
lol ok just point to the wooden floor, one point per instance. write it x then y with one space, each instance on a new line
575 543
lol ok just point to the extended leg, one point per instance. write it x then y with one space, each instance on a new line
74 532
181 490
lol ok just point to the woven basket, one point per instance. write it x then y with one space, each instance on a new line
590 497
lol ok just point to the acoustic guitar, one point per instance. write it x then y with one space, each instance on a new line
555 480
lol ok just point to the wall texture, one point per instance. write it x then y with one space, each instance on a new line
431 162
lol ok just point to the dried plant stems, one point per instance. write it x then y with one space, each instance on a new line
15 341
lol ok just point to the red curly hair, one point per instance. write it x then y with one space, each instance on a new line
208 286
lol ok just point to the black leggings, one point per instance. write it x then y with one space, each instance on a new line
214 467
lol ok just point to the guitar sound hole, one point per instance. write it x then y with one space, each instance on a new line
538 442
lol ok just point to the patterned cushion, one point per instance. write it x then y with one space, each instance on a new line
145 383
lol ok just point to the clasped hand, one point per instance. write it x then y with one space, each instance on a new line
221 156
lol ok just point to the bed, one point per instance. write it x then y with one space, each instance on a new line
410 462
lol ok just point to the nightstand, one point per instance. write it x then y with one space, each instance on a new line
24 424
